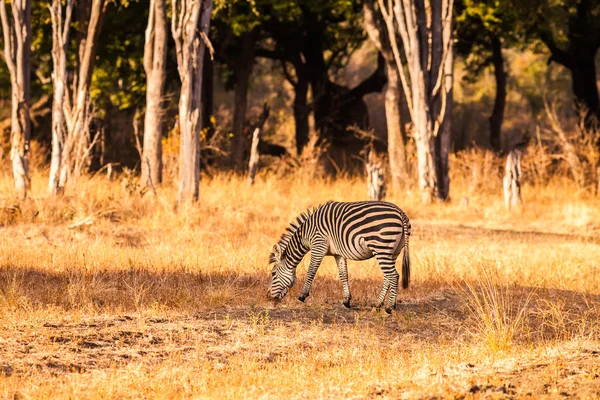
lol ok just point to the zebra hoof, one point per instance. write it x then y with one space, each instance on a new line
347 303
388 310
302 298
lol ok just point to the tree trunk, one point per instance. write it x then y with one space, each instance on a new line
77 108
585 89
190 45
579 57
60 42
375 27
155 55
396 148
425 33
242 79
254 153
443 138
301 110
208 96
375 178
512 180
17 44
498 112
322 92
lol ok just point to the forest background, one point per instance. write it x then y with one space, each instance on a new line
135 239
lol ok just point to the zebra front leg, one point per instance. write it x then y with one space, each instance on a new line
342 264
317 253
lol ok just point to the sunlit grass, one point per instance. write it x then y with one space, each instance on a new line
499 309
100 264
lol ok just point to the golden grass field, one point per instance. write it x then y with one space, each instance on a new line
105 293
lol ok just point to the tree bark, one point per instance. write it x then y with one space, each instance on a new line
443 138
208 96
393 95
585 88
499 103
190 23
316 68
579 57
425 32
77 107
512 180
395 141
254 149
60 42
301 109
242 80
376 186
155 56
581 64
17 44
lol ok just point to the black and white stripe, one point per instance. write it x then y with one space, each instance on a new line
347 231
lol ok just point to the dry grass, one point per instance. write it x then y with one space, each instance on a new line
497 309
108 294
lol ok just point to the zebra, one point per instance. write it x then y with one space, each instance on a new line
346 231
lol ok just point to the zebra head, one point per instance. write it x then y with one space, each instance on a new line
283 277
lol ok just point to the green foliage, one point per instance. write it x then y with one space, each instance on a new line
477 21
282 27
119 79
239 15
559 22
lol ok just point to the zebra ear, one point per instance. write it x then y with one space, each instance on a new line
276 253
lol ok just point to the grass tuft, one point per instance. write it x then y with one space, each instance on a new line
499 309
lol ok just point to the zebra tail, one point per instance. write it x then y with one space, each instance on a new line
405 263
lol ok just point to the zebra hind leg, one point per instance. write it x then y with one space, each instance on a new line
394 277
343 270
384 291
387 263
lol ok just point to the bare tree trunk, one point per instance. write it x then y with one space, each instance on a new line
498 112
190 43
208 96
155 57
512 180
17 44
396 148
375 177
254 154
60 41
376 30
422 32
242 79
77 106
301 107
443 138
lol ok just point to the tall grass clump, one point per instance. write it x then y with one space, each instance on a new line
498 309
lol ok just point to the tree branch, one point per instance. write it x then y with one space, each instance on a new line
271 54
8 50
558 55
374 83
288 77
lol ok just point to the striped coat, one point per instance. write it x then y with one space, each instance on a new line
347 231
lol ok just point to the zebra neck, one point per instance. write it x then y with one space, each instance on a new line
296 250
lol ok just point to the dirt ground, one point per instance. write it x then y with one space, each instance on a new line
227 338
252 349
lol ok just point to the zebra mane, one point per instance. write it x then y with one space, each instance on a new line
290 230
